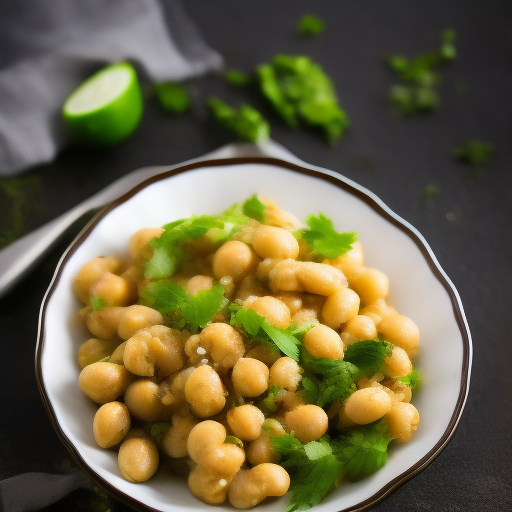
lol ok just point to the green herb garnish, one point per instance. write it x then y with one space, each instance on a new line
310 25
236 78
182 309
247 122
413 380
254 208
257 327
234 440
97 303
473 152
298 89
409 99
368 355
430 191
172 97
324 240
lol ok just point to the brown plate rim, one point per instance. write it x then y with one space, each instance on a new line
335 179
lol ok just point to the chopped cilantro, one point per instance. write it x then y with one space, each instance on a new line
257 327
473 151
269 402
254 208
234 440
247 122
409 99
158 428
310 25
236 78
368 355
413 380
98 303
182 309
324 240
297 88
430 191
172 97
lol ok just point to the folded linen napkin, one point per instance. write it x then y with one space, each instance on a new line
50 46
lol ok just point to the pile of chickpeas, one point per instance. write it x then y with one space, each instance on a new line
196 399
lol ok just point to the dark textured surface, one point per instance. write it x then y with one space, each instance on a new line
391 156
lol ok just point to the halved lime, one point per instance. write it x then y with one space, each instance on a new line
106 108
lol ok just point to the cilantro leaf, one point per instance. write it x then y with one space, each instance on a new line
254 208
181 308
368 355
298 88
413 380
408 99
310 25
257 327
324 240
172 97
473 151
269 402
97 303
430 191
247 123
236 78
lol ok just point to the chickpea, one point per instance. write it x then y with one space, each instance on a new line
371 284
264 268
322 341
401 390
174 441
347 261
90 273
285 373
277 243
204 435
172 389
402 332
292 300
250 487
306 316
246 421
320 279
309 422
199 283
250 377
290 399
234 259
104 323
264 353
261 449
94 350
155 351
111 423
340 307
139 241
251 285
118 354
367 405
143 400
104 382
397 364
138 459
275 311
204 392
224 343
138 317
403 420
358 328
283 276
209 486
114 290
377 311
344 421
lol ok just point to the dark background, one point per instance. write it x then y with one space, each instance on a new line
467 225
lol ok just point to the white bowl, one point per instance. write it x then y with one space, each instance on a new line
418 288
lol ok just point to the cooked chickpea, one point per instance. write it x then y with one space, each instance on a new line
143 400
344 421
118 354
367 405
250 377
174 441
104 323
90 273
275 311
138 459
94 350
277 243
246 421
114 290
224 343
358 328
320 279
353 258
111 423
209 486
401 390
292 300
155 351
402 332
397 364
340 307
371 284
172 389
309 422
234 259
403 420
250 286
251 486
264 269
138 317
377 311
264 353
285 373
261 449
104 382
203 436
199 283
205 392
290 399
322 341
140 239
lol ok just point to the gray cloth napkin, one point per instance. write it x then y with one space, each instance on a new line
51 46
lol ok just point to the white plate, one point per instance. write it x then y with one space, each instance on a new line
418 288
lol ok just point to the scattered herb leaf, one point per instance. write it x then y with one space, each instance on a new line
310 25
172 97
368 355
413 380
97 303
430 191
254 208
473 152
236 78
234 440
